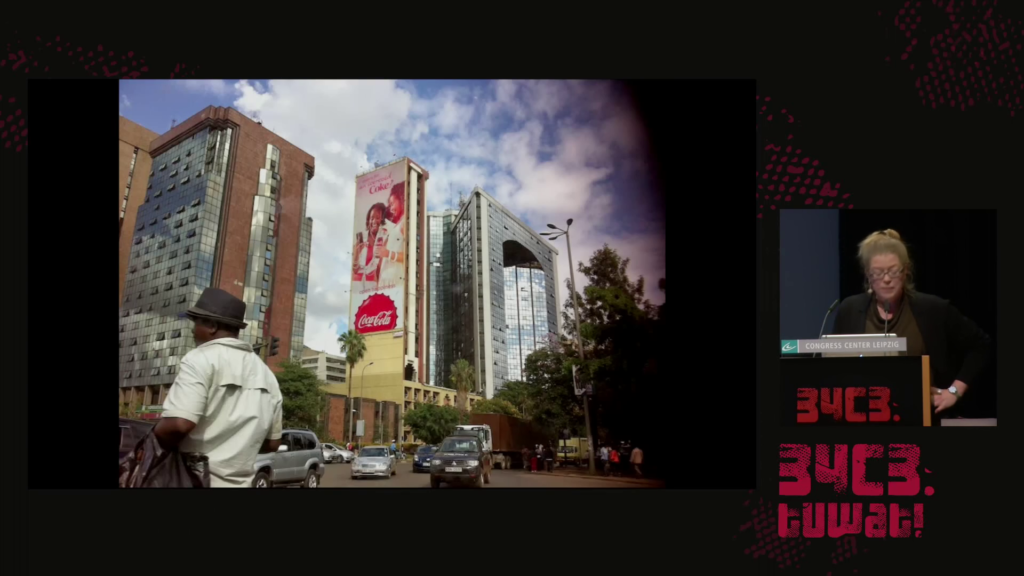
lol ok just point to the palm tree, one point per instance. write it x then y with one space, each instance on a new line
353 346
463 379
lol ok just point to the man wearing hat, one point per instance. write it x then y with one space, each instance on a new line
225 402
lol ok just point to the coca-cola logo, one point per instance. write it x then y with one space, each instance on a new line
380 186
377 313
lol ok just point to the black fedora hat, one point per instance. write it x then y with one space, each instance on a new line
216 304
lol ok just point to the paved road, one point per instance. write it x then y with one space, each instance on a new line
338 476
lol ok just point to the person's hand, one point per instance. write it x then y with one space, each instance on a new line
380 252
942 400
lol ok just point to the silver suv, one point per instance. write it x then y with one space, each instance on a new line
300 459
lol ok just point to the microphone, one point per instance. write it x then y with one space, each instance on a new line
825 319
886 318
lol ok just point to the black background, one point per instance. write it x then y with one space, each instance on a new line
824 60
955 258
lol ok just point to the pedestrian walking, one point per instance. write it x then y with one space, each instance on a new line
549 459
614 457
636 459
225 402
533 459
526 458
605 465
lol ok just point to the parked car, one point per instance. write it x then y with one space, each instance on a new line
461 459
131 432
421 459
300 459
374 461
334 453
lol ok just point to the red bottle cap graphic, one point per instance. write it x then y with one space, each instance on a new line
377 313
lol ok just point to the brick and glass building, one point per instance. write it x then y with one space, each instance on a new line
224 207
504 287
133 160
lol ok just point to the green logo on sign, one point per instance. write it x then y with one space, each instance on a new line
790 346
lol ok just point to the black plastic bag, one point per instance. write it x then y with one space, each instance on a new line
150 466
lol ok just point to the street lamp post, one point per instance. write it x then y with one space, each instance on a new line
352 421
579 335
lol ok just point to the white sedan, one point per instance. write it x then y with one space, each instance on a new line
334 453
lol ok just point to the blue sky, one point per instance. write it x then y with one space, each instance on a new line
547 150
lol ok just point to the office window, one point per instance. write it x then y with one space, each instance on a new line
181 299
179 224
195 202
168 286
180 210
173 174
193 218
184 282
169 188
186 265
191 233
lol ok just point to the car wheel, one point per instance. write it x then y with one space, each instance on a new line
311 480
434 482
262 480
394 471
479 483
487 478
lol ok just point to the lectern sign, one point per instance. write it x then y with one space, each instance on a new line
875 345
856 391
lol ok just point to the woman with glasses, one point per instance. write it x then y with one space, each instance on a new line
959 350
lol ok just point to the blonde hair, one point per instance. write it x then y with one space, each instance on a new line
886 242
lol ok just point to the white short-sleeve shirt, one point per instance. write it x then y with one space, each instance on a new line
235 401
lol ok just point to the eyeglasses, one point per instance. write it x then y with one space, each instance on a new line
879 274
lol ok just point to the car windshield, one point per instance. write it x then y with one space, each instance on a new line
460 445
426 450
373 453
329 447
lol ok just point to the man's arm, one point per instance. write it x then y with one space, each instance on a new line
184 406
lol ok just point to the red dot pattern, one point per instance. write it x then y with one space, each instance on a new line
790 178
33 55
13 131
762 531
963 53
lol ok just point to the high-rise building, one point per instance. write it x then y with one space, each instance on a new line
389 305
133 159
439 312
328 368
504 291
224 207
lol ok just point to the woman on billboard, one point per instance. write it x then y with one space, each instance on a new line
390 248
366 266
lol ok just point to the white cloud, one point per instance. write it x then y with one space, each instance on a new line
124 100
519 140
216 87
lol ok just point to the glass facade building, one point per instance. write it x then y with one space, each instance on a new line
439 314
504 291
172 258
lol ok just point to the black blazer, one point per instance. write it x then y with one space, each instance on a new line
959 350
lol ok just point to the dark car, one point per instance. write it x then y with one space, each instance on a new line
421 460
131 432
461 459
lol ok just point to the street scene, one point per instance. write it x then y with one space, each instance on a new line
355 284
338 476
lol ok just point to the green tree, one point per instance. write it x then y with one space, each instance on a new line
553 405
495 406
304 401
624 340
463 379
519 394
131 410
431 423
353 346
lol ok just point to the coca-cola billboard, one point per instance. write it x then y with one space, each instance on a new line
377 313
378 250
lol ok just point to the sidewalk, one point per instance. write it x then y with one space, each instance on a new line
624 479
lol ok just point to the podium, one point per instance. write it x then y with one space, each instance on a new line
857 391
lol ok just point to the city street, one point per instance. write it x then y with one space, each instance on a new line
338 476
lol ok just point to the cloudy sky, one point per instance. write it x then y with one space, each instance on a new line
547 150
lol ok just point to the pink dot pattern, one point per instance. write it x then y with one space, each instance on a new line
790 177
963 53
